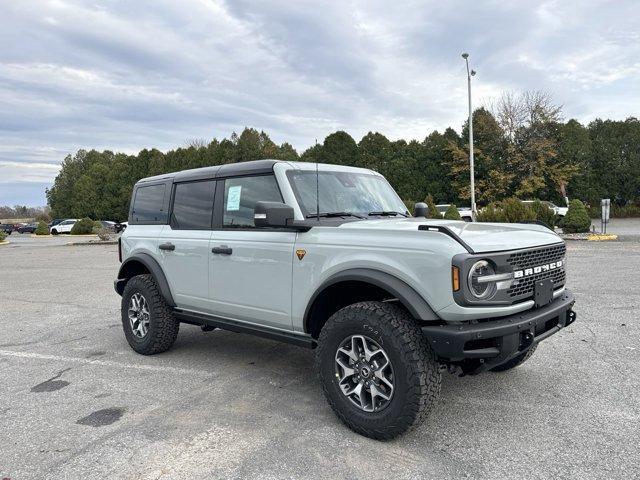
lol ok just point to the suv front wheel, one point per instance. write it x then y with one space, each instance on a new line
377 371
148 322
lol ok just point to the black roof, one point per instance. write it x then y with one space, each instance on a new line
254 167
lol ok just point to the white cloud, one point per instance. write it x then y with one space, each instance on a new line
129 75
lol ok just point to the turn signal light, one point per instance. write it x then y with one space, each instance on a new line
455 278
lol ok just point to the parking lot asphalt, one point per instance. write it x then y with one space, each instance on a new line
77 402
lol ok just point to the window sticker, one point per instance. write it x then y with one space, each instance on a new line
233 198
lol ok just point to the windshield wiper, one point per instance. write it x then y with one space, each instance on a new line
387 213
333 214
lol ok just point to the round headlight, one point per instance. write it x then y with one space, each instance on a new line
481 290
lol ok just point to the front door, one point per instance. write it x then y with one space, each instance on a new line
252 267
183 245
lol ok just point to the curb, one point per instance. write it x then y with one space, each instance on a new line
573 238
81 244
5 242
588 237
65 235
602 238
33 235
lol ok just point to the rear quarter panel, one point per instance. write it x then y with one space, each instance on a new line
141 239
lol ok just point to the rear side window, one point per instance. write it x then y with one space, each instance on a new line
241 195
193 205
148 204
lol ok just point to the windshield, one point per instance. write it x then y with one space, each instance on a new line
349 192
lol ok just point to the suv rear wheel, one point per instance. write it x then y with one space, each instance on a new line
377 371
148 322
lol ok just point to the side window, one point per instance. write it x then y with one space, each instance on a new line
148 204
193 205
241 195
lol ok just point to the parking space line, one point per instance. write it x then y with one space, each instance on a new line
105 363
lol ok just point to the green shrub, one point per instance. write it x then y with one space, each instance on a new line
82 227
432 211
97 226
490 213
42 229
2 235
510 210
514 211
409 204
577 219
625 211
452 213
544 214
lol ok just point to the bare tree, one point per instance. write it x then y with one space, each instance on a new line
509 111
197 143
516 110
541 108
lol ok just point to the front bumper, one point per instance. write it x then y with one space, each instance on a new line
480 346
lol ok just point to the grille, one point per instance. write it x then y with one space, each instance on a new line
533 258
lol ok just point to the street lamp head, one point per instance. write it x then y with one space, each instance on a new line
465 55
473 72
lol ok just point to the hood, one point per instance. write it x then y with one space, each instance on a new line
481 237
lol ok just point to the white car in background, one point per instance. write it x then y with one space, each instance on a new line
465 212
559 211
63 227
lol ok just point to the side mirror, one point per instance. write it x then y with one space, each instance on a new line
272 214
420 209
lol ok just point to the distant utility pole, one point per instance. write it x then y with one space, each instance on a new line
471 73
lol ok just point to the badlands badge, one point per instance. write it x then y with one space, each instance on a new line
301 253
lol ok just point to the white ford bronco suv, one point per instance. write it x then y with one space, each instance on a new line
327 257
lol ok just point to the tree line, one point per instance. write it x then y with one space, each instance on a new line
522 149
23 211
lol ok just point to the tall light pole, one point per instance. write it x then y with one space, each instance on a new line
471 73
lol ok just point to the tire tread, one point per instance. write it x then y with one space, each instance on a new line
166 326
419 365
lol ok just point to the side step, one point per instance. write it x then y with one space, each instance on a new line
301 340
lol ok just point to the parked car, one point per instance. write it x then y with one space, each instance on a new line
386 299
559 211
121 226
28 228
465 212
16 226
108 225
64 226
6 228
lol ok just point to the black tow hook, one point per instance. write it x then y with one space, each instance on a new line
527 340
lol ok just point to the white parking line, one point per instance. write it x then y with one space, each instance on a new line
105 363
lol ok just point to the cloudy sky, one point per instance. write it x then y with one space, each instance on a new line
125 75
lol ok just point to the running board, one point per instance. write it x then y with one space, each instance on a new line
240 327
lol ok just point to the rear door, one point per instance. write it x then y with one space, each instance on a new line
183 245
251 267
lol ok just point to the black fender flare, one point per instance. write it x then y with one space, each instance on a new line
154 268
412 300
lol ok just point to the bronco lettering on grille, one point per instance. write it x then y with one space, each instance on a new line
539 269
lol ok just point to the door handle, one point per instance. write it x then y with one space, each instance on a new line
222 250
167 246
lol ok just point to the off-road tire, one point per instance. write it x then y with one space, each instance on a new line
515 361
417 374
163 326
